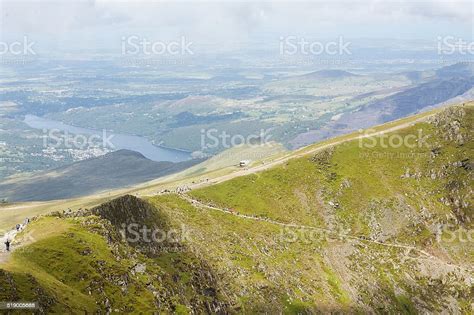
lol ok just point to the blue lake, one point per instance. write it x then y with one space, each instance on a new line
119 141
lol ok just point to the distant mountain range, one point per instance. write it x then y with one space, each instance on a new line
328 74
436 88
447 83
116 169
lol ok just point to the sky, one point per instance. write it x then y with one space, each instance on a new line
102 24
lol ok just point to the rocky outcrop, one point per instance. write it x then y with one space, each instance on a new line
127 215
455 126
450 123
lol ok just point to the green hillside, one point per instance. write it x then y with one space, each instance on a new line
362 227
85 265
363 200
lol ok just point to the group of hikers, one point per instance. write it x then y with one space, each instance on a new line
18 227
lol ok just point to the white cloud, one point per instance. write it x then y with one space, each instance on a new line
226 21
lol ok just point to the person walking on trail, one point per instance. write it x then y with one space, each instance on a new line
18 227
7 244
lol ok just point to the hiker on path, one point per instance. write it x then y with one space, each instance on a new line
7 244
18 226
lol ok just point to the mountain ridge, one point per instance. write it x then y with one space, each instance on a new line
116 169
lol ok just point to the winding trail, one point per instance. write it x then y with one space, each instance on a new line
330 233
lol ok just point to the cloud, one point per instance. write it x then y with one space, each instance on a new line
231 21
437 10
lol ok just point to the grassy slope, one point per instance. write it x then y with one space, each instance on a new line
82 266
373 201
256 266
352 176
262 267
59 264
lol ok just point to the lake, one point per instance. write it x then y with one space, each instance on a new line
119 141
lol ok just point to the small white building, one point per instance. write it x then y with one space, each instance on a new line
244 163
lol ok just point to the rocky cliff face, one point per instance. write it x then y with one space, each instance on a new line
135 220
455 125
156 239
